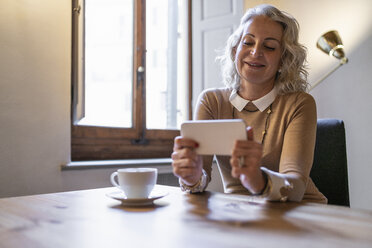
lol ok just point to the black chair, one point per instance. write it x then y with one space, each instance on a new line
329 171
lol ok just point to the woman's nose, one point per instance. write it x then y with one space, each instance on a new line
256 52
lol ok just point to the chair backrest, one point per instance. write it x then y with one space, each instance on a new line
329 171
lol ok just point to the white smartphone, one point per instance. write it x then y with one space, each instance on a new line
215 136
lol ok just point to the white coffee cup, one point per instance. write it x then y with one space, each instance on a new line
136 183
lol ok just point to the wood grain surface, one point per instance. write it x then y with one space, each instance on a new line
89 218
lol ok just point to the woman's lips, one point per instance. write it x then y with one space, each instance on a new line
254 64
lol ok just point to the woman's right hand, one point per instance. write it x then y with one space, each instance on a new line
187 164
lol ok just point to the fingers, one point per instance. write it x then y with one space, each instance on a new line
249 133
235 168
246 158
184 168
181 142
247 148
186 162
184 153
188 169
251 166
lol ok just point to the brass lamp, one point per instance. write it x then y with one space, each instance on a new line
331 44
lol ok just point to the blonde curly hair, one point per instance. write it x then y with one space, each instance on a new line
293 73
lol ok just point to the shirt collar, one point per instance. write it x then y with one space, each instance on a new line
262 103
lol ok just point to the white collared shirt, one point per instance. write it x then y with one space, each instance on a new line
262 103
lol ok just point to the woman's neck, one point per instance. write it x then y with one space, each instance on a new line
253 92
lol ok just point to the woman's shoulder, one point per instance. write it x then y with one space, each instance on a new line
297 98
213 103
216 93
297 102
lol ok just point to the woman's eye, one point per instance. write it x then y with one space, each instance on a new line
270 48
247 43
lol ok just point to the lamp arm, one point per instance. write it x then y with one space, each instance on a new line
342 62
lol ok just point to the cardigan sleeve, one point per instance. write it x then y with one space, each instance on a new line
203 108
297 152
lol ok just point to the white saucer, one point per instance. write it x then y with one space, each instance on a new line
120 196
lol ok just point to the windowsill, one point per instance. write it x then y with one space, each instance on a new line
162 164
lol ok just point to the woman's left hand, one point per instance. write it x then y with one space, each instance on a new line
246 161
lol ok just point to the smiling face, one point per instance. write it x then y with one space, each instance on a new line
257 57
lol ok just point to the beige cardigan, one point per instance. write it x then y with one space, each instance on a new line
288 147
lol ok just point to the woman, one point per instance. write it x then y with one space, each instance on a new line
263 69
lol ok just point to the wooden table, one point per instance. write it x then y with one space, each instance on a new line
89 218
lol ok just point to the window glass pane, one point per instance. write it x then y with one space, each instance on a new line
108 63
166 67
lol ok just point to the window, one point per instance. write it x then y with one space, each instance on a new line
130 77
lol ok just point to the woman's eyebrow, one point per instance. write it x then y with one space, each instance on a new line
268 38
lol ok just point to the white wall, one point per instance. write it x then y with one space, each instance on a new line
35 92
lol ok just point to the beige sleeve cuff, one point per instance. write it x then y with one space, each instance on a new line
200 186
278 187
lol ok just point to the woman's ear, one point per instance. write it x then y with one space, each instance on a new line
233 53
